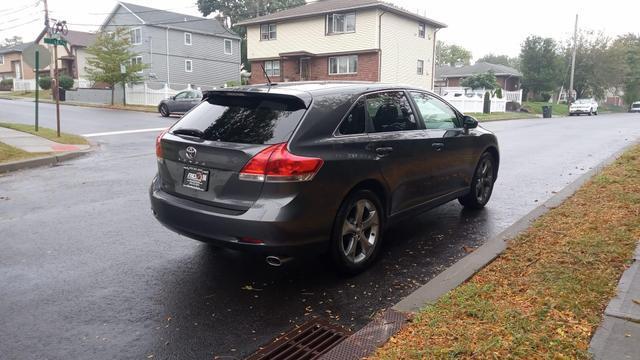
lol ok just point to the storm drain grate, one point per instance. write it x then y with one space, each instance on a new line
306 342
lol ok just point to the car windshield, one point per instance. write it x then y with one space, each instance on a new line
244 118
583 101
636 106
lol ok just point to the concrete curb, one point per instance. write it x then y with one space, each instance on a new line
472 263
43 161
462 270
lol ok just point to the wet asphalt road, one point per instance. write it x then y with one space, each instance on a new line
87 273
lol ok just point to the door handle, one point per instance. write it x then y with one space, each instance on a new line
437 146
384 151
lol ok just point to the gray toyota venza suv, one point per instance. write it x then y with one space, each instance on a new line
323 167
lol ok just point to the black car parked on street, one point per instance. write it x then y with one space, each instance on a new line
294 168
180 103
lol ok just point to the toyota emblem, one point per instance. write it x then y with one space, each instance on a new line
191 153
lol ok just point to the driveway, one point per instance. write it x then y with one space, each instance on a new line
87 272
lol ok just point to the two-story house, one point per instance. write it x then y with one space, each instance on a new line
11 64
178 49
368 40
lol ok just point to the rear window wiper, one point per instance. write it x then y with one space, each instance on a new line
190 132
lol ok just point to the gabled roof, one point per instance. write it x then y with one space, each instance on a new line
168 19
74 38
14 48
327 6
446 71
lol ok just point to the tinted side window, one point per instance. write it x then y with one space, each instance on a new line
354 122
435 113
390 111
182 95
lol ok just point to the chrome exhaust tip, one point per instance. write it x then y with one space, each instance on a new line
277 261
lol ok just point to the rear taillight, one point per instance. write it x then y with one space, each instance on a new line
277 164
159 143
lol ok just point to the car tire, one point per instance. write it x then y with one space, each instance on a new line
357 232
164 110
590 112
481 187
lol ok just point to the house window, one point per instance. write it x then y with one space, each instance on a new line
188 65
272 67
420 67
421 30
341 23
136 36
268 32
1 59
137 60
339 65
228 49
187 38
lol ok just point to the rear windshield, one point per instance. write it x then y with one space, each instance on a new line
245 118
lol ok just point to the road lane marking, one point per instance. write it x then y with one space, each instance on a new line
123 132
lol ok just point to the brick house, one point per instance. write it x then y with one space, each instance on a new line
451 76
367 40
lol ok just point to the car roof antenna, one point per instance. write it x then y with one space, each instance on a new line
265 74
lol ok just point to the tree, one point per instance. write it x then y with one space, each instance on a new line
238 10
108 53
598 67
485 81
513 62
451 54
627 48
540 64
12 41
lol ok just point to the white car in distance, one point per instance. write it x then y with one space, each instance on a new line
584 106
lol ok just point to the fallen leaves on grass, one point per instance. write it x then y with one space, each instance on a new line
544 296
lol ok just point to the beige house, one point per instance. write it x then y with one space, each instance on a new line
11 64
72 57
366 40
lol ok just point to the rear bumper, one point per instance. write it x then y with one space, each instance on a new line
281 230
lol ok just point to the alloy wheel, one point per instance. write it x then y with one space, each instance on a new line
360 231
484 180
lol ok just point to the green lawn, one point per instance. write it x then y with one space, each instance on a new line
536 108
48 134
502 116
10 153
43 94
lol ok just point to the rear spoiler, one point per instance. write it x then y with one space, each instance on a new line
303 98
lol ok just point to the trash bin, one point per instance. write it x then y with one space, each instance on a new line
62 93
546 112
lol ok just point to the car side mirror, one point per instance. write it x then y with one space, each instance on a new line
469 122
172 97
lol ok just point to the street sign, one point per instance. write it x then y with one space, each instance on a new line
54 41
29 55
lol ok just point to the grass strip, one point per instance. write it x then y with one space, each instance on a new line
545 295
10 153
502 116
47 134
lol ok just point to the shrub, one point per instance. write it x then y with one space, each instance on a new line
545 96
499 93
66 82
6 82
45 83
231 84
487 103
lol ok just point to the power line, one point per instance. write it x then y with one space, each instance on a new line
5 12
17 26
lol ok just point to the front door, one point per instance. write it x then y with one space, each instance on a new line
17 69
304 69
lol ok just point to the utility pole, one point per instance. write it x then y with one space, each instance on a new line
48 30
573 62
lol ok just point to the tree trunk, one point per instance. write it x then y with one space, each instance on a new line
113 90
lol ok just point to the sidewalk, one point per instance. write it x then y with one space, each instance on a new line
618 336
35 144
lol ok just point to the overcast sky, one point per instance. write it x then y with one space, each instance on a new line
482 26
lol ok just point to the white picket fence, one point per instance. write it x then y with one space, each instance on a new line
142 94
24 85
475 103
509 96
